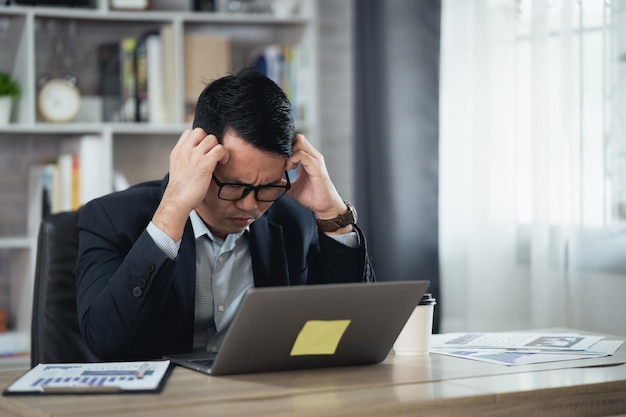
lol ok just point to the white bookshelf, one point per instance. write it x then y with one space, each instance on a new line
139 151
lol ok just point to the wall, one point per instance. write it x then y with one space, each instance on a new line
336 91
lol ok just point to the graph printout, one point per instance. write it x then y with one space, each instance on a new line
537 342
121 376
522 348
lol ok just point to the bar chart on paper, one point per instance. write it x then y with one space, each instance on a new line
93 377
120 376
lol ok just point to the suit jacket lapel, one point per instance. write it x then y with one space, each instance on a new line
267 248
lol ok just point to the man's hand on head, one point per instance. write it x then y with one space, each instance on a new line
313 188
192 162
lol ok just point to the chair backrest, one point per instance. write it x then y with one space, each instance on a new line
55 335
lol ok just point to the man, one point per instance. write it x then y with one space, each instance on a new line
163 266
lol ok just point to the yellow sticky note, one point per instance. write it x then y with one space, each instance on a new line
319 337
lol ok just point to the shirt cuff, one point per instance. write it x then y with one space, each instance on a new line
351 239
163 241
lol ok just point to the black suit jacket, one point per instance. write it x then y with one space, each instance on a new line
136 303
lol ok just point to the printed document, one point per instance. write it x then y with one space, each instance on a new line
146 376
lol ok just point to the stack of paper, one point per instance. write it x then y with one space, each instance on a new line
522 348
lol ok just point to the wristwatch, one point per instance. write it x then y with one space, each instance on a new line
344 219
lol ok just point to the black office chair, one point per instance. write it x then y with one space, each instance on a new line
55 335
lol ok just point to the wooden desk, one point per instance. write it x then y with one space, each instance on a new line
400 386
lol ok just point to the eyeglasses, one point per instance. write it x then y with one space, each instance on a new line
233 191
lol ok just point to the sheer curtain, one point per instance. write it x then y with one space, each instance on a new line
529 165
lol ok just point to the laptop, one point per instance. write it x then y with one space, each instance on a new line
310 326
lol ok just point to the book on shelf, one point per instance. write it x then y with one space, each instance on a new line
66 181
109 80
155 63
51 189
168 63
86 182
136 77
69 182
118 80
55 186
141 73
128 78
271 62
155 80
287 67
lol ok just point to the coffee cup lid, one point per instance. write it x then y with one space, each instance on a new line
428 299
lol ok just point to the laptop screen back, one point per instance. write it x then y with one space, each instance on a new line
282 328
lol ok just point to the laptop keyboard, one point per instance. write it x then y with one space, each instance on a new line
204 362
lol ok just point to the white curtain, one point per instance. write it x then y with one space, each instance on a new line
530 141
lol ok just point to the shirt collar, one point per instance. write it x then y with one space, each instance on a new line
200 228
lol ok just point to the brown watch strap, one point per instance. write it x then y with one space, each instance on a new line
344 219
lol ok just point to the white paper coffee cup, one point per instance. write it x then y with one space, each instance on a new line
414 339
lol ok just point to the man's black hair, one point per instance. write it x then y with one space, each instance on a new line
250 104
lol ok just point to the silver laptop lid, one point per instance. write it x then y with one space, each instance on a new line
283 328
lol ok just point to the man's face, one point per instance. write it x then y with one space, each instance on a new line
246 165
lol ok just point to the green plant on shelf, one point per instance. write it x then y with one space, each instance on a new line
8 86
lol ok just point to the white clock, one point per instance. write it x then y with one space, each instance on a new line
58 100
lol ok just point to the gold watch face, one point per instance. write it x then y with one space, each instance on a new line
58 100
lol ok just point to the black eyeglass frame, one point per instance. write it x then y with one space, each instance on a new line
247 189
